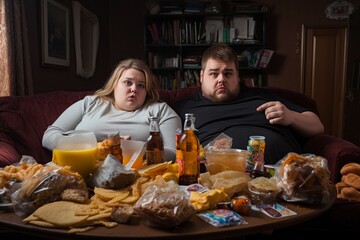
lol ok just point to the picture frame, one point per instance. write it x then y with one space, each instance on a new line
55 33
339 10
86 36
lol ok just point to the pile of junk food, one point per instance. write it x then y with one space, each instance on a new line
53 196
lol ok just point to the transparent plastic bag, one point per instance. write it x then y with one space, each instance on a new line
303 178
164 205
112 174
45 185
220 142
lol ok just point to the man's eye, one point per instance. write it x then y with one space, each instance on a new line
228 74
214 75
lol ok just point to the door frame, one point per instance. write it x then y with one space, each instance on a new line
309 66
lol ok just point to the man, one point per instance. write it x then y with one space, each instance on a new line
226 106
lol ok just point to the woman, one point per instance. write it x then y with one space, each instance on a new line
125 104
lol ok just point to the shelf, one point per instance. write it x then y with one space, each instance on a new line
173 37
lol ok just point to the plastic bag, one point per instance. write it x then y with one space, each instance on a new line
220 142
164 205
45 185
112 174
303 178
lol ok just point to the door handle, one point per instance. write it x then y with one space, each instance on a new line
350 96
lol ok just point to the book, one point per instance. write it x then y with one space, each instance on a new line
265 58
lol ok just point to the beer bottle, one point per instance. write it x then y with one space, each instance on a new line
190 147
155 144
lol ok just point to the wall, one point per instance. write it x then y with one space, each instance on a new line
116 42
285 21
122 34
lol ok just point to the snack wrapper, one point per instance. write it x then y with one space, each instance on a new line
45 185
303 178
112 174
164 205
220 142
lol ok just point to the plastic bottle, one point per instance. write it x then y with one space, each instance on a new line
189 144
155 144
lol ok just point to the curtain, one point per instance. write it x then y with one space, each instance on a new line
15 67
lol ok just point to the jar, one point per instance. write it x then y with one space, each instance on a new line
77 149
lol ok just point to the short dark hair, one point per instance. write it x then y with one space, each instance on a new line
220 52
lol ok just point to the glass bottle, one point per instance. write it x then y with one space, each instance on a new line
155 144
189 144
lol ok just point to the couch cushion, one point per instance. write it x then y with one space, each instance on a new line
40 110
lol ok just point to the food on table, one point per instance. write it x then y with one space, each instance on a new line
304 178
351 168
349 186
44 186
111 145
232 181
263 190
219 160
76 217
208 200
75 195
122 213
164 205
112 174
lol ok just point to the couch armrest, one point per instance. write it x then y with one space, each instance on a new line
8 153
337 151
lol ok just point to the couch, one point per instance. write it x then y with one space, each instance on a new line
23 120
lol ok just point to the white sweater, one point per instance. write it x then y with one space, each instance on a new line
95 114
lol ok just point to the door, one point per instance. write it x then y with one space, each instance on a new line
351 129
323 72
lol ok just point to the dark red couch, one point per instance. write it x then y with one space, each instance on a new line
24 119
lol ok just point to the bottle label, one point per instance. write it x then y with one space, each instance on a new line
191 163
155 156
180 161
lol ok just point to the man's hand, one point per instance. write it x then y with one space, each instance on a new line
276 113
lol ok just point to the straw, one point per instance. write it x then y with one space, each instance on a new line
135 156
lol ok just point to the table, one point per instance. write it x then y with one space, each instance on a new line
193 228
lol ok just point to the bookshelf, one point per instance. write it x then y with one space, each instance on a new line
174 43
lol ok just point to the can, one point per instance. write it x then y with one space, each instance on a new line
256 148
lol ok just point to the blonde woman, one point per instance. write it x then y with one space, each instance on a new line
125 104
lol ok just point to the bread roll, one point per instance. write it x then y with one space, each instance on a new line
351 168
352 180
350 193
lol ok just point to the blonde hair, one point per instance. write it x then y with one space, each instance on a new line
107 91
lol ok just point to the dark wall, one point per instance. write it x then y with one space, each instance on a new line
285 20
122 36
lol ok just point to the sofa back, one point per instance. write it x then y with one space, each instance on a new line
23 119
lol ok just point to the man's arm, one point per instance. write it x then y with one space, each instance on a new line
306 123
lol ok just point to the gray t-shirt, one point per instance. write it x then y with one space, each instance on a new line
100 116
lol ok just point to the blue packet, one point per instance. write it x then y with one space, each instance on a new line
221 217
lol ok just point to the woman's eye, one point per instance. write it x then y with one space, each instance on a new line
141 85
128 83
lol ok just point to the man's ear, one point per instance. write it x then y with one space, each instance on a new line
201 76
